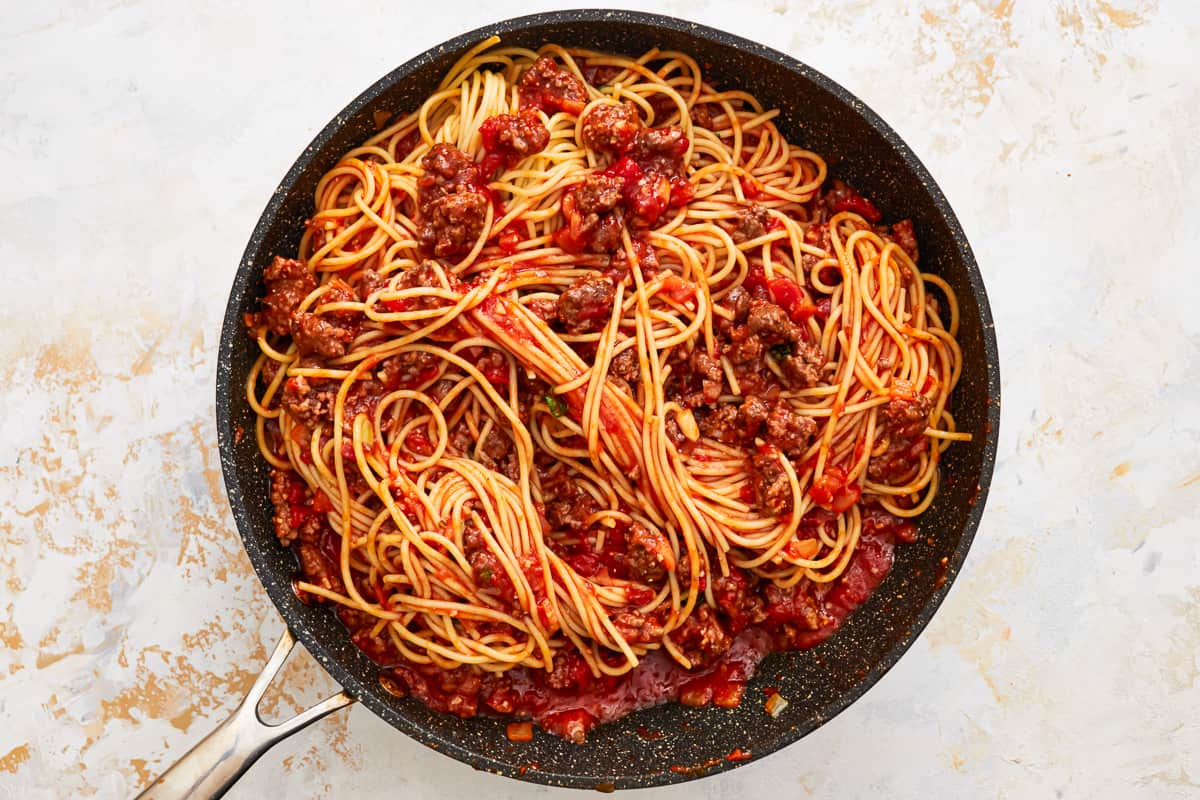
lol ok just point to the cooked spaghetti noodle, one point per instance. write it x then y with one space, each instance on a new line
582 360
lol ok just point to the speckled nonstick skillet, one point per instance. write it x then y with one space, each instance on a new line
818 114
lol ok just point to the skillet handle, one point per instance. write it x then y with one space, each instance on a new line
210 768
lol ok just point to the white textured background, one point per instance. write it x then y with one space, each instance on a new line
138 143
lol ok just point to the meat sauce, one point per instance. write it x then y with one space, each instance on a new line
766 340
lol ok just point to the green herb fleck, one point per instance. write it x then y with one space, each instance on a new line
556 405
780 351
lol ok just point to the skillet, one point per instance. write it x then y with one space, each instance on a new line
819 683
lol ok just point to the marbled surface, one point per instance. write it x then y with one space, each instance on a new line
138 144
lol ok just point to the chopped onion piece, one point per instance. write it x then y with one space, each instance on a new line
687 424
776 704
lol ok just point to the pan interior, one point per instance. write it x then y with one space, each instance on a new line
817 114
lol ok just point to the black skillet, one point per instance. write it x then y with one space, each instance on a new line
818 114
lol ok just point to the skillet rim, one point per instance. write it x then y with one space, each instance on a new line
371 695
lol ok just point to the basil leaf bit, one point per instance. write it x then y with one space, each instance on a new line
780 351
556 405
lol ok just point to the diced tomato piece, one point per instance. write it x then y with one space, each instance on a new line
497 376
681 192
321 503
825 487
751 188
833 491
491 163
299 515
678 289
786 294
846 497
638 595
756 282
571 241
509 240
418 442
572 725
860 205
626 169
728 694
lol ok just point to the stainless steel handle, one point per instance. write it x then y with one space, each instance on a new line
210 768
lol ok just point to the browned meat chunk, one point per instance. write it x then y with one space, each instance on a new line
452 199
369 282
647 259
596 193
736 424
792 614
902 423
316 334
361 399
611 128
306 403
452 224
551 88
543 307
338 291
905 419
625 366
722 424
447 170
586 305
738 601
842 197
514 136
638 629
288 282
702 115
744 348
755 412
649 556
317 569
598 74
567 505
707 371
789 431
701 637
751 223
771 484
486 568
408 370
327 334
803 368
284 486
591 221
772 323
660 150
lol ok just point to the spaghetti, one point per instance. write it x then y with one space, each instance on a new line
582 367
